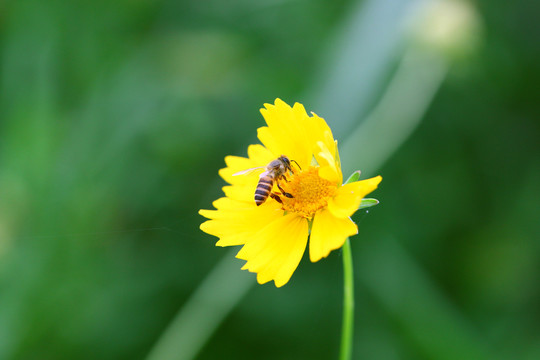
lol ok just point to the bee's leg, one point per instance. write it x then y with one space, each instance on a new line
276 197
283 191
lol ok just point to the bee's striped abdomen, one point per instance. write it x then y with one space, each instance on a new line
264 187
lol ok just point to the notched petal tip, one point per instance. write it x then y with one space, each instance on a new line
300 110
281 103
270 107
279 284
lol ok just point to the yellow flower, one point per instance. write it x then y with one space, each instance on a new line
314 203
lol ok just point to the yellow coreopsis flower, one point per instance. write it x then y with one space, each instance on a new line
307 199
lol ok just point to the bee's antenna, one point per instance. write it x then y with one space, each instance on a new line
297 164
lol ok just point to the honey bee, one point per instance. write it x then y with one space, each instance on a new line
275 171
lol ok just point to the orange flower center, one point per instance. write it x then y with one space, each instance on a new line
310 192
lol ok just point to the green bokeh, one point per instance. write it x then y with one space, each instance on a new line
115 116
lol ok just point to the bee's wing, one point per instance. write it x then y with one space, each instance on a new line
248 171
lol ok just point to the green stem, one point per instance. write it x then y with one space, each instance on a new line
348 304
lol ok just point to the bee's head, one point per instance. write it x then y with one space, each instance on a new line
285 160
287 163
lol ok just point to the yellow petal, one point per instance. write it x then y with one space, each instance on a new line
329 167
324 148
276 250
267 138
235 222
225 203
349 197
328 233
258 156
338 162
240 192
320 131
286 133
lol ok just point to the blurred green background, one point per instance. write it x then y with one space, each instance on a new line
115 117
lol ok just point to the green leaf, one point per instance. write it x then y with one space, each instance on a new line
368 202
355 176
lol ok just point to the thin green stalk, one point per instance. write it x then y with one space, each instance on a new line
347 329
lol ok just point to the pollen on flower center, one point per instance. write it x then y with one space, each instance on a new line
310 192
